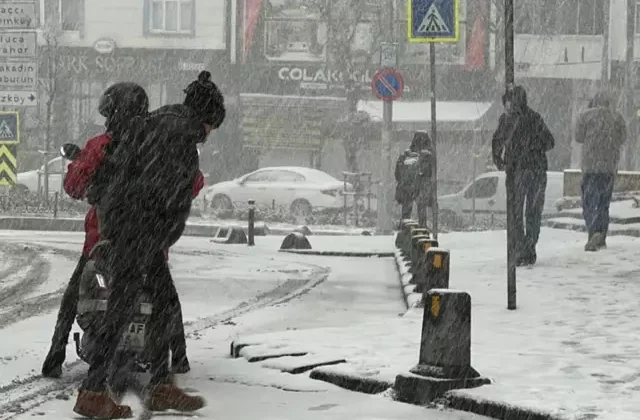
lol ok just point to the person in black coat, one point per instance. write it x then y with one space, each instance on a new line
414 183
519 146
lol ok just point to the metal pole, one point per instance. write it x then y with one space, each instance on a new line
509 79
434 137
629 82
475 170
385 203
251 228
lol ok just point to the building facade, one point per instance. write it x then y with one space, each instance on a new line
85 45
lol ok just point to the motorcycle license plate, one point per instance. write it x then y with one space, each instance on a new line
134 337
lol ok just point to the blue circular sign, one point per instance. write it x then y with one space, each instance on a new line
387 85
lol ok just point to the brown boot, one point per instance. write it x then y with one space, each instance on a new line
169 397
100 405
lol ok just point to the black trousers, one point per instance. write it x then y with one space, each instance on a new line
126 263
407 210
526 189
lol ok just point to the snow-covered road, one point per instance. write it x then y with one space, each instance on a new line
227 291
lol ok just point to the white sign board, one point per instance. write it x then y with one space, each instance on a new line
19 15
19 74
18 45
18 98
388 55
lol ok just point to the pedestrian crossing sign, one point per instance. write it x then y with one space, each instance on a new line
9 127
432 21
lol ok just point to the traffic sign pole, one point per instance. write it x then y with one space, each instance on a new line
509 82
387 85
434 138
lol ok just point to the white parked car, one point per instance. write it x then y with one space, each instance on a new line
298 189
491 199
57 167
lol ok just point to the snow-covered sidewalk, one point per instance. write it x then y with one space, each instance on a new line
624 219
570 349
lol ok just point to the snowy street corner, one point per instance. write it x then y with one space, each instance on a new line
411 388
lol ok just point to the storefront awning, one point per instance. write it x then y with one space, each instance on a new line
450 115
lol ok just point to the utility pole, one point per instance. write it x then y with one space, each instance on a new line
509 79
604 70
385 203
629 84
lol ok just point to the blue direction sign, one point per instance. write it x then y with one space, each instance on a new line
432 21
387 85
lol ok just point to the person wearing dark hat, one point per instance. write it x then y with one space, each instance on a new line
152 171
519 146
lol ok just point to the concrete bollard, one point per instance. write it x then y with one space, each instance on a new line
295 240
433 271
251 223
422 246
445 350
405 235
408 245
416 252
404 231
230 235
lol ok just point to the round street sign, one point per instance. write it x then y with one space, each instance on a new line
387 85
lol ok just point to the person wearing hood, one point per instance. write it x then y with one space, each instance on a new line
519 146
602 132
413 174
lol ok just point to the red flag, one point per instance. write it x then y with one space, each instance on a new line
475 47
251 16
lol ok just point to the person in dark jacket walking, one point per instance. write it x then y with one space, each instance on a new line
413 174
143 211
82 179
602 132
519 146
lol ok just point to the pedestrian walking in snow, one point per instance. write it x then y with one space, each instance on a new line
414 178
602 132
519 146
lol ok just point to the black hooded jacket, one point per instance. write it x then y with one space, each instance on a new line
522 138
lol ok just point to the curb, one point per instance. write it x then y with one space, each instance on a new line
351 382
494 410
198 230
339 253
581 228
454 400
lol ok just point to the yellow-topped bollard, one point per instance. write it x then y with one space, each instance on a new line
433 270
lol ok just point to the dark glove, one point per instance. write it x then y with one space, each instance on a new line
500 164
52 366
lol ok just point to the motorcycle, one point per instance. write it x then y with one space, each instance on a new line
92 304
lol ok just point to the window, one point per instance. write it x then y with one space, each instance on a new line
171 16
581 17
264 176
286 176
69 14
483 188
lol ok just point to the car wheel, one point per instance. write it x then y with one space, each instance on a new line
221 202
20 188
301 207
451 220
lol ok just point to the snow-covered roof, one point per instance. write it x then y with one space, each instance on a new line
421 111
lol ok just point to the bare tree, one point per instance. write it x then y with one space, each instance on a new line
51 35
344 18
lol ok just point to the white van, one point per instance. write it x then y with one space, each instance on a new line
491 199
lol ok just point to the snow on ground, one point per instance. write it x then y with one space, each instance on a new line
210 278
619 209
237 390
570 348
614 228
